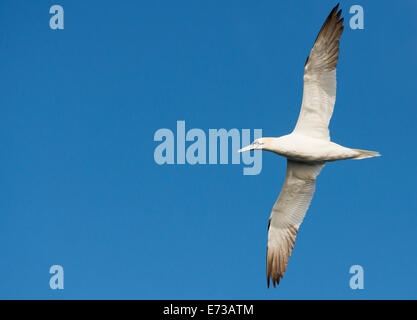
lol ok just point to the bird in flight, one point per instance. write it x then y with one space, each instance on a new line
307 148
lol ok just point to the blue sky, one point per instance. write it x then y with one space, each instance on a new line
80 188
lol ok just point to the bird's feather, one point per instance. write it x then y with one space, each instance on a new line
319 92
287 215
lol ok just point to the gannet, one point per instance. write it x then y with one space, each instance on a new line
307 148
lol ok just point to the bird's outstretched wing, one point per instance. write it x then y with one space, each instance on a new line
287 215
319 93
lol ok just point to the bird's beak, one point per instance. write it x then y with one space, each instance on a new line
250 147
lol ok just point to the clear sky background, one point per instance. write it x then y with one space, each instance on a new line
80 188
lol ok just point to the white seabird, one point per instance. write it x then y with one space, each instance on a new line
307 148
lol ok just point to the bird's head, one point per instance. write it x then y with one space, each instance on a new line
259 144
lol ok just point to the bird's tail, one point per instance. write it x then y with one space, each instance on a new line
363 154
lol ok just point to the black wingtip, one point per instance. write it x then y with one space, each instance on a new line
334 10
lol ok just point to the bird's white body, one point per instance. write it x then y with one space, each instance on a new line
307 148
299 147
